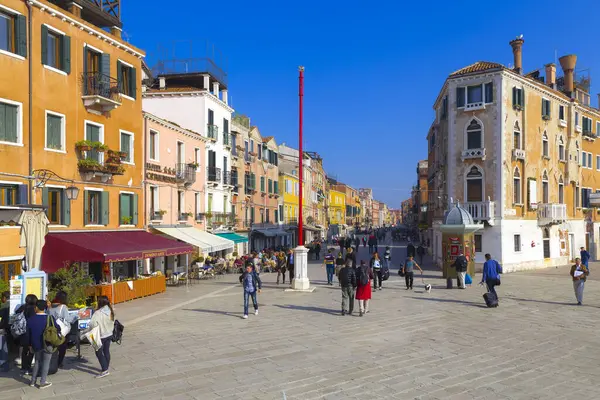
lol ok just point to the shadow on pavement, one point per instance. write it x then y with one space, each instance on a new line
560 303
236 315
468 303
314 309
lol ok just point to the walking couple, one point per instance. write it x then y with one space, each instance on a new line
358 280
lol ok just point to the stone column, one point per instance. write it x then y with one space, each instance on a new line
300 281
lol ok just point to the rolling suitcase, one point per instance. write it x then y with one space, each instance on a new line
491 300
53 364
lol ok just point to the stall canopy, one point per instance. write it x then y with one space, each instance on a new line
206 241
62 248
233 237
270 232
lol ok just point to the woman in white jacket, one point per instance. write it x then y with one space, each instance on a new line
104 319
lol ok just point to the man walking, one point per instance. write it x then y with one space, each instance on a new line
491 274
410 250
461 269
347 279
409 274
318 250
252 285
585 258
420 253
329 262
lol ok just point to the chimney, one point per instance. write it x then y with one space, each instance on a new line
162 82
517 45
116 31
568 66
551 75
75 9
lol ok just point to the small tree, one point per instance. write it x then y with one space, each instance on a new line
73 281
4 286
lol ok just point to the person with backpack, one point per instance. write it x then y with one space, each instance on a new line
348 283
363 288
59 310
377 273
18 330
329 263
461 264
408 270
5 336
290 265
252 285
43 338
104 319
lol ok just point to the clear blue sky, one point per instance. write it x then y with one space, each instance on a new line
373 69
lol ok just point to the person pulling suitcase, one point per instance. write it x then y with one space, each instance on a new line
491 278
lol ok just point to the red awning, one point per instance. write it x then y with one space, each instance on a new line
63 248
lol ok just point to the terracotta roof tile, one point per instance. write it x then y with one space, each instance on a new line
479 66
267 139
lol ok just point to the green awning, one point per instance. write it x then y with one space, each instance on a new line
233 237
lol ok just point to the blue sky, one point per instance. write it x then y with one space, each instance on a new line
373 69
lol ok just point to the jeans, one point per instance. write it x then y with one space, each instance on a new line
578 287
254 302
363 306
26 359
41 366
62 350
409 277
491 284
330 272
370 249
281 273
461 278
347 299
377 276
103 353
291 272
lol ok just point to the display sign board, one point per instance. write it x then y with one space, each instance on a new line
594 199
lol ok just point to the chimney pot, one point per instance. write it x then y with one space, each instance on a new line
551 75
517 46
568 63
75 9
116 31
162 82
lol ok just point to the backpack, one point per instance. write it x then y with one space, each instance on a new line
51 334
117 335
363 276
385 273
19 325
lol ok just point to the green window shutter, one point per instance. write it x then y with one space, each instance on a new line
2 122
66 209
65 52
86 210
132 83
104 204
122 207
8 122
460 97
105 64
53 132
45 197
270 186
21 39
120 78
23 194
85 53
262 183
134 216
44 37
514 96
276 187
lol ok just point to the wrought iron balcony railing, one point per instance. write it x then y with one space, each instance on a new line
212 132
185 173
213 174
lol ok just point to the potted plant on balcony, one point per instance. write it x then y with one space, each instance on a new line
123 154
194 165
88 165
99 147
83 145
161 212
186 214
126 220
115 169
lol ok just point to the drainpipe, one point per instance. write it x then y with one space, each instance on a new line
30 65
144 182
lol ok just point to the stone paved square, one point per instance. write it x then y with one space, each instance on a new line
441 345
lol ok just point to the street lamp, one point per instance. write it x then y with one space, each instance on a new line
42 176
72 192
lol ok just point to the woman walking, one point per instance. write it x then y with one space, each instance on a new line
104 319
579 273
377 273
59 310
281 267
363 289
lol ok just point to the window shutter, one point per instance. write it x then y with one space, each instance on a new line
45 197
66 209
8 122
460 97
134 211
44 37
514 98
104 200
105 64
120 78
85 52
262 184
489 92
66 54
22 192
86 211
21 30
132 83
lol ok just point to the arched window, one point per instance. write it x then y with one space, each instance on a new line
516 186
474 184
561 190
546 239
517 136
545 148
474 135
545 193
561 149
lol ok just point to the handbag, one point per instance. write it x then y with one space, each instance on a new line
63 327
498 282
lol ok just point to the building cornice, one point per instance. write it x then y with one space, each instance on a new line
198 93
84 27
170 125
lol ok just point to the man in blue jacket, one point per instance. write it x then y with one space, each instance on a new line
585 257
252 285
491 274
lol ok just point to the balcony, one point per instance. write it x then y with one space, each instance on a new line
475 106
249 158
481 210
156 216
471 154
100 92
227 181
212 132
213 175
562 123
587 134
234 152
549 214
185 173
226 139
102 13
220 218
518 154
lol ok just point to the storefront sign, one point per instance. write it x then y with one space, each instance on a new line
16 294
154 254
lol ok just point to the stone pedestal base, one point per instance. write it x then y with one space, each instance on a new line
300 283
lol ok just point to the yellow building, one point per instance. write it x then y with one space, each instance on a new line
337 207
289 185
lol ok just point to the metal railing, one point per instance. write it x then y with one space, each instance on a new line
226 177
226 139
213 174
551 213
155 216
212 132
185 173
97 84
234 151
220 218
